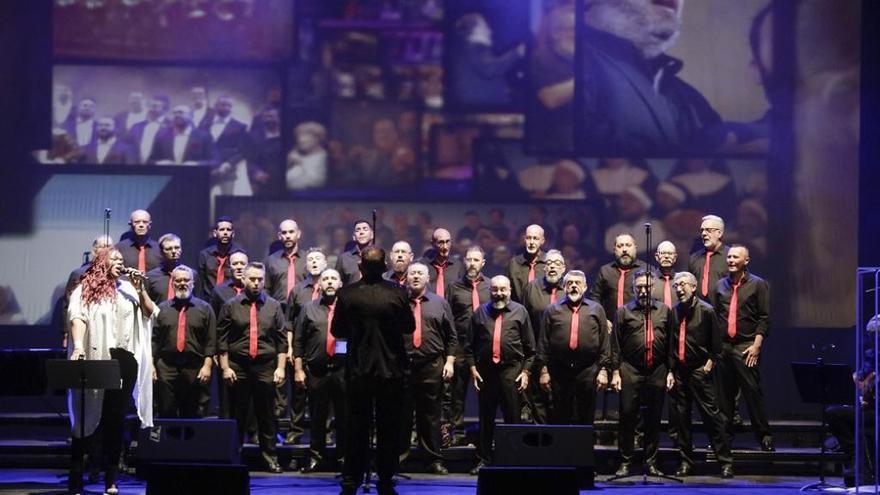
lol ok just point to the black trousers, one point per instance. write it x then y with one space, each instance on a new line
499 388
254 387
574 394
734 375
422 387
178 392
455 393
326 388
365 395
692 384
110 427
641 388
536 402
842 423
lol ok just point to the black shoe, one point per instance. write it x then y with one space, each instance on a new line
652 470
683 471
727 471
623 470
293 465
311 467
737 419
291 438
272 465
438 468
476 470
767 445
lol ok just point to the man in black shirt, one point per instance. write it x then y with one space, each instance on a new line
574 350
537 296
184 345
528 265
250 329
139 250
222 293
401 257
696 347
348 261
318 368
666 257
443 268
465 295
431 351
500 351
641 369
159 284
373 315
709 264
613 286
742 303
285 268
214 266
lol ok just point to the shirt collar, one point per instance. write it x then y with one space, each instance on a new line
260 300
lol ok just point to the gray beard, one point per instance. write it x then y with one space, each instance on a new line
621 18
499 304
575 298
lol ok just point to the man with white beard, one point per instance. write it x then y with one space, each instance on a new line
401 257
574 350
632 100
184 344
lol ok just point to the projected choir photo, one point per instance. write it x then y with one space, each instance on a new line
439 246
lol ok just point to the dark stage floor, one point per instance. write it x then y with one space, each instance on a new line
44 482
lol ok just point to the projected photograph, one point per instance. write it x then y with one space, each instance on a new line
660 78
373 13
226 119
173 30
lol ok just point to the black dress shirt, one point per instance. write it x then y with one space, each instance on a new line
276 274
517 337
461 302
593 340
454 270
752 307
438 329
604 289
536 298
157 283
310 335
233 328
702 337
301 295
629 332
201 329
225 292
717 269
518 273
130 249
208 264
374 315
392 277
348 265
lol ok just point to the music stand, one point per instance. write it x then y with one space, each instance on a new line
820 383
83 374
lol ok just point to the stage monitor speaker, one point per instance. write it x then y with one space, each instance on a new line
497 480
208 441
547 446
198 479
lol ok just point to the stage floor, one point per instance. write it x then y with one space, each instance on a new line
45 481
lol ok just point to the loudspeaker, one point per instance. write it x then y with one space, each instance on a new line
494 480
547 446
198 479
209 441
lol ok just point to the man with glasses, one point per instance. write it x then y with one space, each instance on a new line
709 264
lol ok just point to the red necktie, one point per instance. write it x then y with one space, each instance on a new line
417 315
475 295
181 329
237 290
331 340
170 295
532 268
620 284
682 331
142 259
496 339
221 260
316 292
553 295
573 334
440 286
649 341
731 315
667 291
291 274
252 338
705 287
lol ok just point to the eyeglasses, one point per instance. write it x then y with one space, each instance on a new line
556 263
711 230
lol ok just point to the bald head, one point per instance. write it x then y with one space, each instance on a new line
140 222
499 291
533 238
441 240
666 255
288 234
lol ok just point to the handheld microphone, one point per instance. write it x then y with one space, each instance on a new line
133 273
